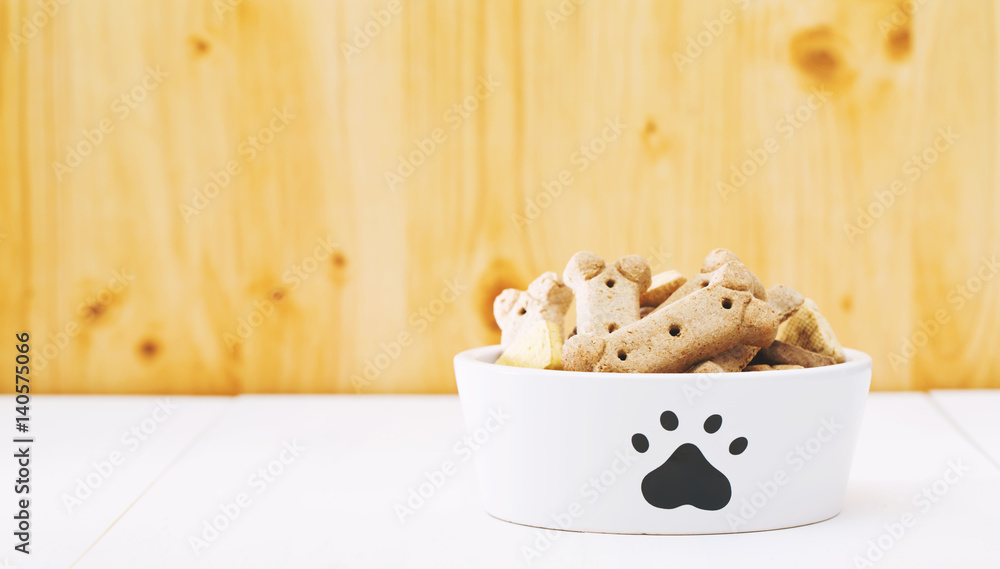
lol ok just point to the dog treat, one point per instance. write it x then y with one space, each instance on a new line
538 347
694 328
732 360
693 284
516 311
765 367
713 262
780 353
722 320
784 300
808 329
662 286
718 257
607 296
707 366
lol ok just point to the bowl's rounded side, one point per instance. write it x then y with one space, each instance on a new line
560 451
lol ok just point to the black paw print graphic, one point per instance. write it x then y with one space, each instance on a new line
687 477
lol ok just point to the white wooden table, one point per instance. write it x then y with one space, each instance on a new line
315 480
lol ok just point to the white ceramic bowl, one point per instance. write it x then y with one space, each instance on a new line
722 453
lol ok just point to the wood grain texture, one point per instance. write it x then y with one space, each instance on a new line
148 267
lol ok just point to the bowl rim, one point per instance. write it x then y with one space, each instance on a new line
857 361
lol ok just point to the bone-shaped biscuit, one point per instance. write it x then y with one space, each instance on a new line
708 366
607 296
719 257
697 327
785 301
765 367
780 353
661 287
516 311
732 360
713 262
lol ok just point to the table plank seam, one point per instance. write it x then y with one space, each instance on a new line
965 434
223 411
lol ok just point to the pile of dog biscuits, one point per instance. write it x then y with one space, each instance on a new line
630 321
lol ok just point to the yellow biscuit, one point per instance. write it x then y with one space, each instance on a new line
808 329
547 298
539 347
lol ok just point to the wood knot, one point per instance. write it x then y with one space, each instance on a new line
199 46
820 56
654 140
93 310
148 348
897 29
338 260
500 275
847 302
899 43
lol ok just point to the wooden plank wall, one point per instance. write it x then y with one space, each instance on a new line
208 196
